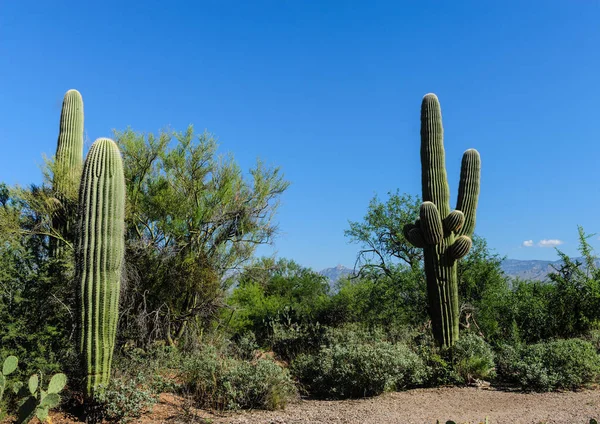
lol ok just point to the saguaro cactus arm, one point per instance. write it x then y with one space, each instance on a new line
468 190
431 223
433 163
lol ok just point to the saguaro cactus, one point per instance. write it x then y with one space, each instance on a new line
99 259
69 149
445 236
68 164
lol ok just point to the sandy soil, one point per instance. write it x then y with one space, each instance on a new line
463 405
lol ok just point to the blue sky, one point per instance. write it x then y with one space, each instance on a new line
330 91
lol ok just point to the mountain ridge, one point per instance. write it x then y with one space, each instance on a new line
527 269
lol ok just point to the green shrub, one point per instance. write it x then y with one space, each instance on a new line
222 382
473 358
594 338
353 365
558 364
153 368
245 346
291 340
438 364
125 399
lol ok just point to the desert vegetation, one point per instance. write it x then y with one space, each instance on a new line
132 272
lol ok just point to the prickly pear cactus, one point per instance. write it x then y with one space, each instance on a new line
8 367
99 258
39 401
444 235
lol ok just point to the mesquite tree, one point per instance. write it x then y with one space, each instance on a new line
192 217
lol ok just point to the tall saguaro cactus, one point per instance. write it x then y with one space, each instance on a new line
99 258
69 149
68 165
445 236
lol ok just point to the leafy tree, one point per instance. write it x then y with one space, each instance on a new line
482 288
35 293
270 292
192 216
379 299
381 237
576 301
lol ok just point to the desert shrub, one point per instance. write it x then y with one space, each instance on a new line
269 293
291 340
125 399
473 358
154 367
244 346
222 382
352 364
438 364
557 364
378 299
594 338
139 376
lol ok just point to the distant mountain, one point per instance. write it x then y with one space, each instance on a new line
515 268
334 274
528 269
533 269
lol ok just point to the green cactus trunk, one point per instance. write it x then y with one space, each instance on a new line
445 236
68 166
99 259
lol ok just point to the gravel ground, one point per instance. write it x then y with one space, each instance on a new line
463 405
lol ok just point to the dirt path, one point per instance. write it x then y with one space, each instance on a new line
463 405
421 406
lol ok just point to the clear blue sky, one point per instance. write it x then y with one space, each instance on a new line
330 91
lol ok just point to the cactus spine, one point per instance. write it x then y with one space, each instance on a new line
445 236
68 165
99 258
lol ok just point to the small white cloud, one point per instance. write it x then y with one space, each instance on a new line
528 243
550 243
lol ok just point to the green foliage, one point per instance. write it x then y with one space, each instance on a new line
192 215
35 291
445 236
557 364
356 364
439 367
473 358
594 338
291 340
272 292
99 259
125 399
575 305
222 382
245 346
394 299
380 234
139 376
